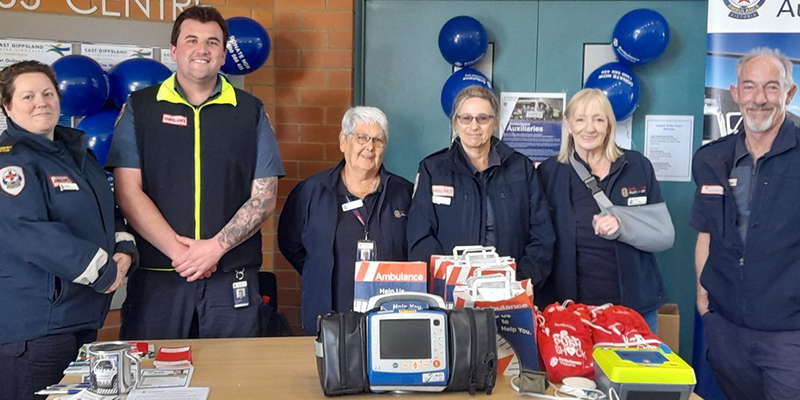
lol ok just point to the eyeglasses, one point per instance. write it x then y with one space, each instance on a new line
482 119
378 142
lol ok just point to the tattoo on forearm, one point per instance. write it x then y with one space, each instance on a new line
251 214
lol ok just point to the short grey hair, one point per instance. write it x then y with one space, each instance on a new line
776 55
364 115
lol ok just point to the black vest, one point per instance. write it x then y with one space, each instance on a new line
210 168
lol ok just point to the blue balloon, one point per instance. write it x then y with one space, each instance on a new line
620 86
248 46
83 84
457 82
98 127
462 41
640 36
132 75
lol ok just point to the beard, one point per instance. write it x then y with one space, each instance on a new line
761 126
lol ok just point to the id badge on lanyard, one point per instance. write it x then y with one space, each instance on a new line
240 298
366 249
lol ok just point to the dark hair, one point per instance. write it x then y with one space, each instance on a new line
11 72
202 14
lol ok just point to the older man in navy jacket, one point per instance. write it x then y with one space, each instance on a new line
746 213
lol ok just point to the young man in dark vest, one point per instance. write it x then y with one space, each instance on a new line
195 167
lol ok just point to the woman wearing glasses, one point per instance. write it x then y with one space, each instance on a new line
355 211
480 191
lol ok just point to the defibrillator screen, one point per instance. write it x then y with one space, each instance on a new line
405 339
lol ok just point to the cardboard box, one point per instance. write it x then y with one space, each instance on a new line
669 326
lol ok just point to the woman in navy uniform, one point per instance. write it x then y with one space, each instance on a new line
63 251
356 205
591 266
480 191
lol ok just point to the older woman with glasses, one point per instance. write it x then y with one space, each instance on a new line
480 191
355 211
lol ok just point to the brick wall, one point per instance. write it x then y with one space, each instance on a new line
305 85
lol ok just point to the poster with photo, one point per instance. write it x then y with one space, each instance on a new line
735 28
15 50
531 123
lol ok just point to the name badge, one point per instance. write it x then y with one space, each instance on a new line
352 205
732 182
712 189
637 201
68 186
440 200
63 183
442 190
177 120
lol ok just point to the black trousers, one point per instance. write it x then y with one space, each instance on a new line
27 366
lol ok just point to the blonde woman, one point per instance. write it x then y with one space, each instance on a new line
592 265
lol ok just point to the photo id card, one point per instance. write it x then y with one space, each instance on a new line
240 298
365 250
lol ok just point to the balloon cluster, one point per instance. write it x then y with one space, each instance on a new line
639 37
88 91
462 42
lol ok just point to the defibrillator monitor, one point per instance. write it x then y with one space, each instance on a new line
407 351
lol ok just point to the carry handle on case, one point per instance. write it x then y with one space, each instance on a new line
431 300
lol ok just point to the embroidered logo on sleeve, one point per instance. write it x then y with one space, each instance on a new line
177 120
712 189
12 180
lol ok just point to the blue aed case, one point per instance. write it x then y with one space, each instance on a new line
407 349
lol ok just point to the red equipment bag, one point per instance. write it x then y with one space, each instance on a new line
565 341
620 326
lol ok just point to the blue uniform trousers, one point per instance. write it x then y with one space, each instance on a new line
162 305
750 364
27 366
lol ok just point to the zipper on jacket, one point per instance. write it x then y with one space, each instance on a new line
473 350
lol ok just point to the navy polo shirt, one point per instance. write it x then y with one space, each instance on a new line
349 231
595 257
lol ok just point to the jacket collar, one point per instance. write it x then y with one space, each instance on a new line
457 161
784 140
72 139
333 175
170 91
722 162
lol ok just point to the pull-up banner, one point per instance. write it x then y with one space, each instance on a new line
734 28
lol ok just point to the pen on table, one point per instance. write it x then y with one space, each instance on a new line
59 391
69 385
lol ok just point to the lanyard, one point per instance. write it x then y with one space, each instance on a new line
360 218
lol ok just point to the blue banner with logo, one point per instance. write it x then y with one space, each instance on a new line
734 28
